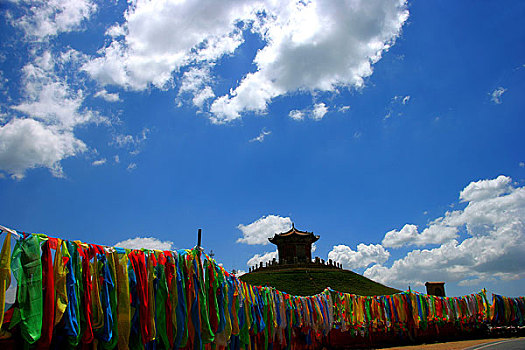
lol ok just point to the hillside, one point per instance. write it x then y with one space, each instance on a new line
310 282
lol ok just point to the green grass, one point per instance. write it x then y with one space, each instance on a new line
310 282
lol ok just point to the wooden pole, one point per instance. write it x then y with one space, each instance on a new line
199 238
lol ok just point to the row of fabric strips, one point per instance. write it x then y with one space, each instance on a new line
176 299
508 311
91 294
404 311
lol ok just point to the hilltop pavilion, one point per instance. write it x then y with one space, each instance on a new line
294 246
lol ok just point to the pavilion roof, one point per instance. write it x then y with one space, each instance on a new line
294 233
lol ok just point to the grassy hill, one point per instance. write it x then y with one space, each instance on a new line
310 282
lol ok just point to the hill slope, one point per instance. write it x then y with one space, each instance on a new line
310 282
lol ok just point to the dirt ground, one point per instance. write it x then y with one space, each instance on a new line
456 345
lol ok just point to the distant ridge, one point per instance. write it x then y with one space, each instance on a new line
302 281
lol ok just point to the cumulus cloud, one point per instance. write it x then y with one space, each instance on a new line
296 115
314 46
3 82
196 83
130 142
203 95
99 162
394 107
143 52
239 273
110 97
28 143
485 189
45 18
261 136
319 111
49 98
494 221
41 129
261 258
315 112
343 109
194 79
263 228
495 96
362 257
404 99
131 167
436 233
145 242
317 46
307 46
397 238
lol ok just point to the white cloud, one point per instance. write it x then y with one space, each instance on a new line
436 233
315 112
396 238
143 51
28 143
115 31
319 111
446 228
363 257
202 96
50 99
296 115
195 79
117 159
253 94
522 164
110 97
133 143
145 242
264 258
131 167
495 96
494 219
399 99
195 82
308 46
45 18
343 109
41 133
3 83
261 136
395 105
484 189
123 140
304 50
263 228
239 273
99 162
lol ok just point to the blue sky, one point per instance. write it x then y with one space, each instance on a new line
392 129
